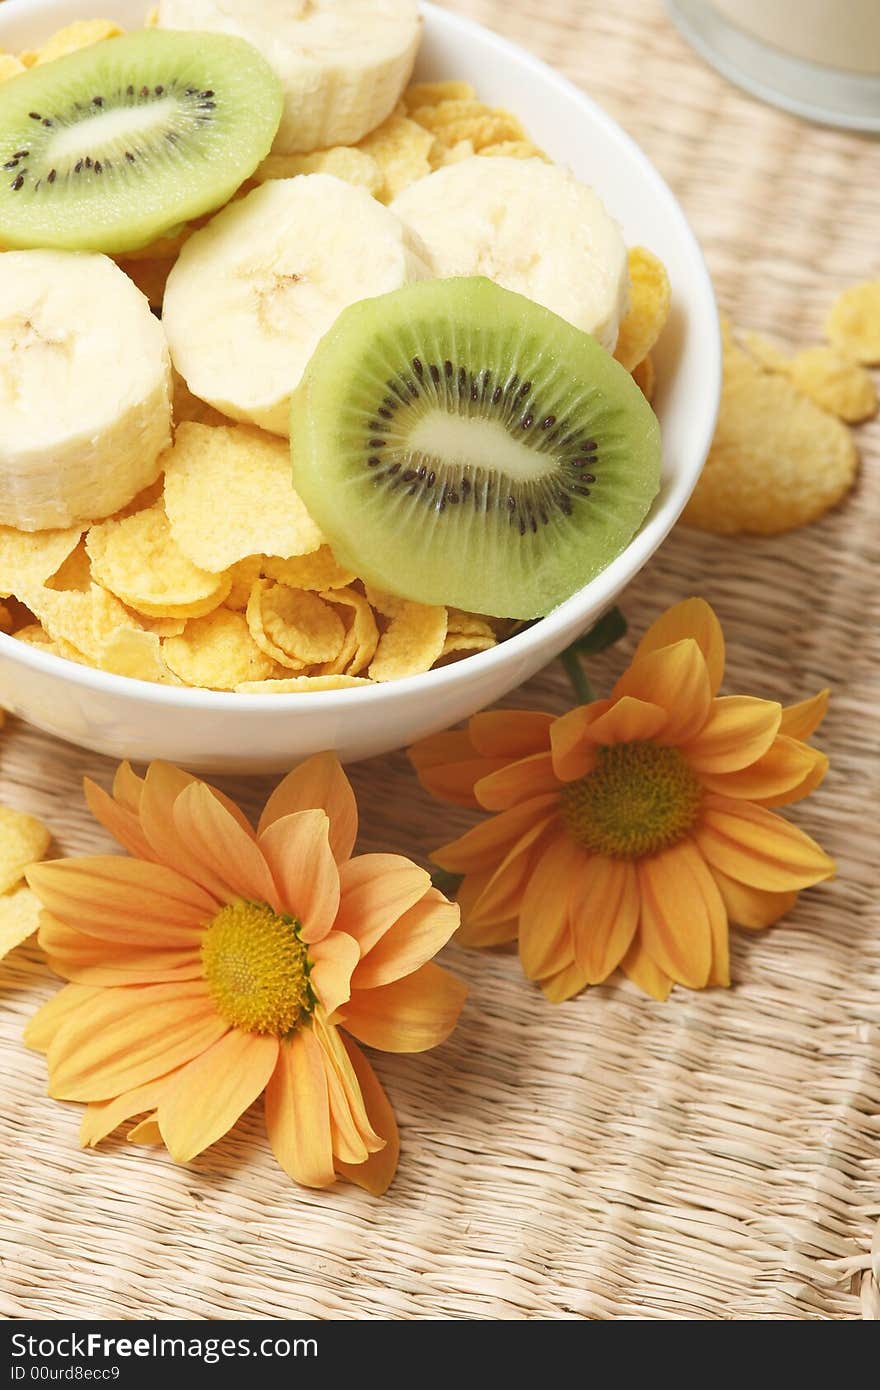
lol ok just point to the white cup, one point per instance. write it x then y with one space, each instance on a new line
818 58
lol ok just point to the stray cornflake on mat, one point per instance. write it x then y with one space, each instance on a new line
228 496
777 460
23 840
853 324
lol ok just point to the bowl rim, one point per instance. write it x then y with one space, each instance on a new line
614 577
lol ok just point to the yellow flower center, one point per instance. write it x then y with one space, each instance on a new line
257 969
639 798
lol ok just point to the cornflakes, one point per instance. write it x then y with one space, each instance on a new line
765 352
401 149
515 149
319 570
345 162
81 34
19 917
777 461
412 642
29 558
250 470
295 627
649 301
23 840
135 653
362 635
853 325
431 93
463 119
138 560
644 377
10 66
244 575
217 652
835 383
149 274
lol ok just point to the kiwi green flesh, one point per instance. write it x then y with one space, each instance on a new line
110 147
459 444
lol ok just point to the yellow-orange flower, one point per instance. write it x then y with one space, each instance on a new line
631 831
215 964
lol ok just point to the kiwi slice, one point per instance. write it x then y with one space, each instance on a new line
110 147
460 444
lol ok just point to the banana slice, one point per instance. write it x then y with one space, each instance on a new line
343 63
530 227
85 389
252 293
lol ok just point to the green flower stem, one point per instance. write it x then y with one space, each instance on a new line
577 675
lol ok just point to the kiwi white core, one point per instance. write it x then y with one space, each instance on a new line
462 440
105 129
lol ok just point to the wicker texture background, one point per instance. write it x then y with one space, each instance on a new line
714 1157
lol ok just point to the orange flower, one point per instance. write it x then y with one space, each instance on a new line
631 831
216 964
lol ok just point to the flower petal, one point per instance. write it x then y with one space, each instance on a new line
318 783
376 1172
739 730
147 1131
778 775
638 966
216 841
92 961
447 766
333 959
510 733
376 890
627 721
129 1035
103 1116
408 1015
297 850
754 846
692 618
565 984
478 934
531 777
574 753
298 1112
544 941
674 926
803 719
122 823
47 1021
490 841
159 791
676 679
501 897
754 908
416 936
207 1096
122 899
128 787
353 1137
604 914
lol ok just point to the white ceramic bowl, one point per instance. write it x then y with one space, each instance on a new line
215 732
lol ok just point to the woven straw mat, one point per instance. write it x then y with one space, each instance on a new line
713 1157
